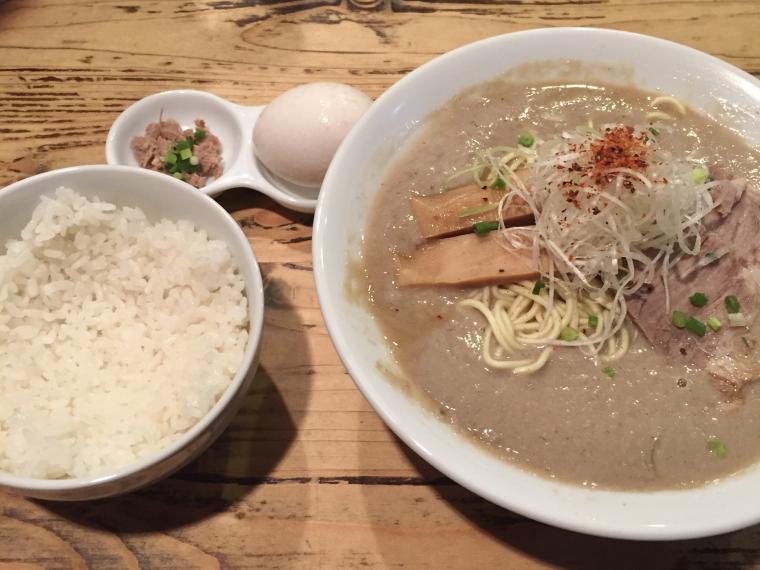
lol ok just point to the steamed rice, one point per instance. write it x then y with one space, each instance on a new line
116 336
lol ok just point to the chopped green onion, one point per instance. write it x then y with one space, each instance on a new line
185 153
482 228
654 131
678 319
700 175
199 133
525 139
182 145
593 320
748 343
737 320
170 158
569 334
711 257
696 326
194 160
609 371
714 324
732 304
178 175
715 446
698 299
537 286
499 184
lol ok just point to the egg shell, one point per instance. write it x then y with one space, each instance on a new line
298 133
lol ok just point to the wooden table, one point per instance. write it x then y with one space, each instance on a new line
307 476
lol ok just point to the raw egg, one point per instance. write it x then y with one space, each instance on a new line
298 133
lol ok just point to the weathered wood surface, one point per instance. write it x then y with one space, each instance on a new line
307 476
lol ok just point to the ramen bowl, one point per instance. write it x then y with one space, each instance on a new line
709 85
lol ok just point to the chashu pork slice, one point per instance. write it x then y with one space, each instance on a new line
734 224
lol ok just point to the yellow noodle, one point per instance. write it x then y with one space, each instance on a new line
545 336
529 315
493 363
622 347
538 364
518 320
669 100
611 347
659 116
492 322
506 329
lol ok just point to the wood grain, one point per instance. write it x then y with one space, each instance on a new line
307 476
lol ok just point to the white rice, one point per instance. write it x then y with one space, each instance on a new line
116 336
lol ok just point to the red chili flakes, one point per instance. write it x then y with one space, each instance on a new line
618 148
571 196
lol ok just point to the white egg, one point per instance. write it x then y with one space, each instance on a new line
298 133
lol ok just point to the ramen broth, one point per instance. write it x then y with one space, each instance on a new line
645 428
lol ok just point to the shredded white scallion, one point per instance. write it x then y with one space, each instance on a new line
600 232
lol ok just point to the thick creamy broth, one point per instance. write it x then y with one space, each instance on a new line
645 428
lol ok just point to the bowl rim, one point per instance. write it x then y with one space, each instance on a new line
31 485
342 339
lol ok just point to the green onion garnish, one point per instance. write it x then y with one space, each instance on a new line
499 184
537 286
482 228
700 175
525 139
737 320
715 446
180 159
678 319
714 324
732 304
593 320
467 212
609 371
748 343
698 299
696 326
569 334
711 257
654 131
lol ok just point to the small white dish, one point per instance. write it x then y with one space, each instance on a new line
354 176
232 123
159 196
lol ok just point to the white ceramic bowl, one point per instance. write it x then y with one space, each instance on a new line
158 196
232 123
656 65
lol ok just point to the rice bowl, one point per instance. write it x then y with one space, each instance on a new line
114 295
